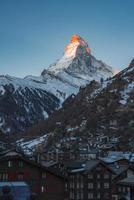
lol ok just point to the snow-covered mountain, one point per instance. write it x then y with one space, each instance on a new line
24 102
78 67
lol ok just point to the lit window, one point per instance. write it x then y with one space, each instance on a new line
10 163
42 189
106 185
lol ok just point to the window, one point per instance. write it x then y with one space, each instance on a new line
98 195
106 185
20 176
10 164
98 185
78 196
119 189
81 184
21 164
90 175
71 195
98 168
43 175
77 176
82 195
66 187
42 188
4 176
90 185
78 185
90 195
98 176
106 176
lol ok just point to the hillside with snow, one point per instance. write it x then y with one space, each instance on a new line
98 111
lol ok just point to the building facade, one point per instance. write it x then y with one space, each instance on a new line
43 182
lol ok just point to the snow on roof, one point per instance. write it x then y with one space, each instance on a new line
14 184
78 170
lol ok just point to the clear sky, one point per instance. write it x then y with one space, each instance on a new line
33 33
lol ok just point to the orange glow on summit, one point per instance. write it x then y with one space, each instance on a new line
75 42
74 38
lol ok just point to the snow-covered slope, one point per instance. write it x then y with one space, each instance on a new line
98 111
23 102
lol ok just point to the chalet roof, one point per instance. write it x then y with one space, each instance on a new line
91 164
127 181
74 164
114 156
111 159
119 169
88 166
14 155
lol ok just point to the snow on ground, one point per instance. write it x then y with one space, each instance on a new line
2 90
29 146
125 93
45 114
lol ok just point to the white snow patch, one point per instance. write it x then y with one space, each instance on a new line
29 146
2 90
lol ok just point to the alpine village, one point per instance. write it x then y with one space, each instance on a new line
68 133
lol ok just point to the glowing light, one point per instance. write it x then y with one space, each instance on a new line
74 38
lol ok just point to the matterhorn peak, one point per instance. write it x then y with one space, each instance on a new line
77 66
75 42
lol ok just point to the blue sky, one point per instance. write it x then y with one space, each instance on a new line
33 33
